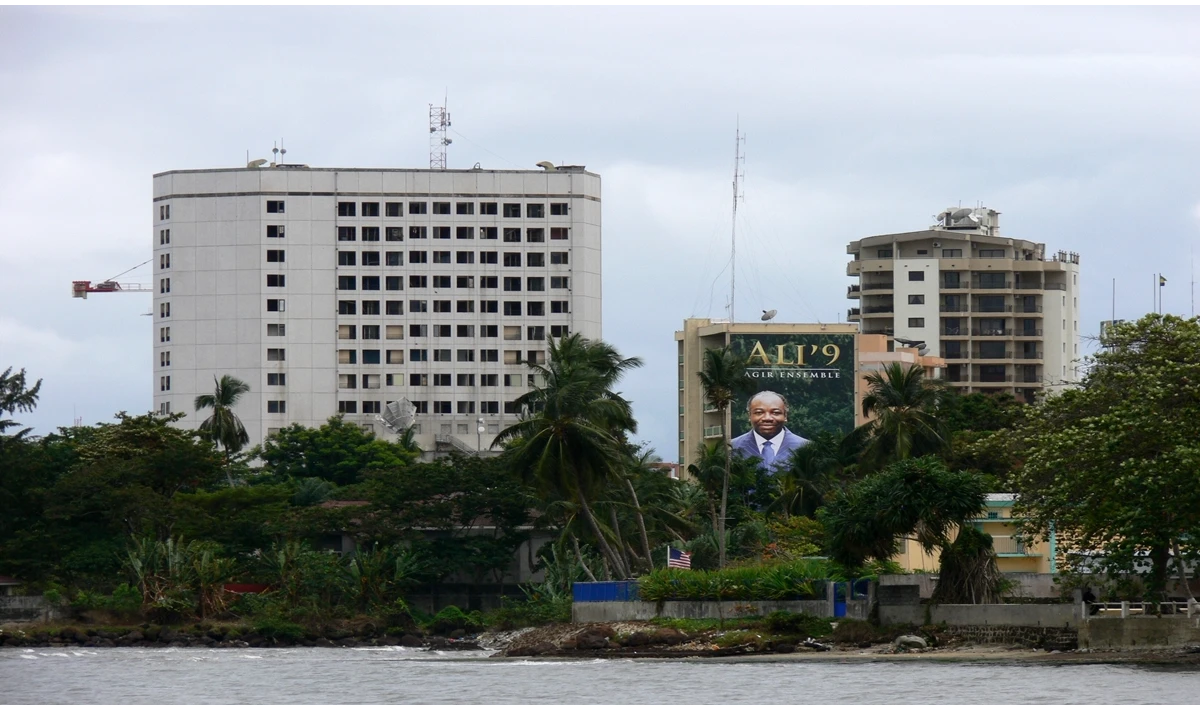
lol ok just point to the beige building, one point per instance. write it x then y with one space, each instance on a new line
700 423
1003 314
1014 553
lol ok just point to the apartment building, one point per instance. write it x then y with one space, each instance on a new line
336 291
1003 315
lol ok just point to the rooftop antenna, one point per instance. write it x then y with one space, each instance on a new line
278 153
738 176
439 120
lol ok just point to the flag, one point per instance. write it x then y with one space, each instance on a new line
678 559
1162 281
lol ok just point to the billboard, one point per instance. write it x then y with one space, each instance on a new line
803 384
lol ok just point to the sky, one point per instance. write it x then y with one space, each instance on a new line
1077 124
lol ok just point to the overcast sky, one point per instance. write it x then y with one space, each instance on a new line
1079 125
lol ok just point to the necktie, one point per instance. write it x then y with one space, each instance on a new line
768 453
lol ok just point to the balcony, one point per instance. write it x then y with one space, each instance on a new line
957 355
1029 308
954 308
713 432
992 308
1013 547
981 355
1028 285
1057 287
877 331
981 378
710 408
991 332
868 310
1029 379
953 332
1028 333
993 285
1022 355
878 286
852 314
853 291
955 285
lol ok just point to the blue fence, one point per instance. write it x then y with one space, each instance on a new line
612 591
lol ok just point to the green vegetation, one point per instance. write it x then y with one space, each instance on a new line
798 580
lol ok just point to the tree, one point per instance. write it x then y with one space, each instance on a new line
723 377
223 427
16 395
570 438
822 466
336 452
1112 466
904 424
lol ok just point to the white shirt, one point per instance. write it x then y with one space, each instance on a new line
775 442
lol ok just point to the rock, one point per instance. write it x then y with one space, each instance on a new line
785 648
411 641
594 638
668 636
636 639
323 642
538 649
909 641
390 641
348 641
437 643
132 637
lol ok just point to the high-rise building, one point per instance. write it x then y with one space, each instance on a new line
1003 314
336 291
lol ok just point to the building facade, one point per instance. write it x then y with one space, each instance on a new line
1003 315
336 291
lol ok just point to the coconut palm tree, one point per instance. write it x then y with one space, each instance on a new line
723 377
904 423
224 427
569 439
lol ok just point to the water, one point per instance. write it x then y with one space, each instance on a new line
129 676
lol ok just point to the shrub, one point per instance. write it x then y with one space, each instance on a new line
452 618
798 623
854 631
517 614
769 581
278 629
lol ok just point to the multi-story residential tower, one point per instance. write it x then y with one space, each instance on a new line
339 290
1003 315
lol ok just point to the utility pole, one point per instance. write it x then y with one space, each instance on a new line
738 176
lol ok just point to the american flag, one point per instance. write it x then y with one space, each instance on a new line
678 559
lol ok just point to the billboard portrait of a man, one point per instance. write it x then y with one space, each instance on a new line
769 439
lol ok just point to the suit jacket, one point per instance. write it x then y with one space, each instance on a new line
787 442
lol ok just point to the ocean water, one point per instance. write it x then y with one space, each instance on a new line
361 676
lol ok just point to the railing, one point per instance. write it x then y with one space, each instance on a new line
992 356
1011 546
1028 333
709 408
878 309
984 254
1030 308
880 331
960 355
993 309
993 285
853 289
1126 609
455 443
1028 355
991 332
878 285
713 432
1057 287
991 379
954 308
956 285
953 331
852 312
1028 285
1031 379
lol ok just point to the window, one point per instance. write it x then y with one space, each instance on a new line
465 355
487 209
560 307
164 358
346 209
464 282
272 206
489 282
418 306
276 355
347 233
488 307
347 308
164 286
347 406
490 407
916 298
487 257
884 254
370 332
372 407
441 380
535 284
347 333
559 258
441 257
347 258
441 232
916 276
370 357
393 308
164 383
418 282
417 232
347 381
441 306
393 259
370 210
164 212
916 323
510 407
418 355
418 257
393 283
489 381
347 357
164 408
512 210
489 332
464 208
347 283
394 234
513 259
512 234
164 334
535 259
512 308
276 305
991 254
418 331
535 210
276 407
388 379
441 208
559 209
536 308
558 233
560 282
441 407
164 237
535 235
922 252
441 331
393 210
489 355
489 233
512 283
370 308
370 234
370 259
275 231
560 331
441 281
951 254
512 332
464 380
395 357
464 233
465 307
276 379
418 208
164 261
465 257
535 333
512 380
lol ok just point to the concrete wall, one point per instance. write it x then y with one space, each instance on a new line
642 611
25 609
1027 585
1138 632
1061 615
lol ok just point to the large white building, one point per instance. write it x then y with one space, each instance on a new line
338 290
1003 315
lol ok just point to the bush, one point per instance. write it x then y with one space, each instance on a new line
452 618
517 614
800 624
278 629
854 631
795 580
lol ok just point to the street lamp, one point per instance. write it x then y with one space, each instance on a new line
479 437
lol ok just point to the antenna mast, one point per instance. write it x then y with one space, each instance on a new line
738 176
439 120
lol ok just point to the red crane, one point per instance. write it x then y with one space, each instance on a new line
81 289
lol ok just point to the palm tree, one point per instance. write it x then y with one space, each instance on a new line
224 427
903 405
570 437
723 377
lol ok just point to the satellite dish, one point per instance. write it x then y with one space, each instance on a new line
960 213
398 416
256 163
768 315
973 218
548 166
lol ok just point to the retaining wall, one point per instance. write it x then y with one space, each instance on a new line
642 611
1025 585
22 608
1138 632
1059 615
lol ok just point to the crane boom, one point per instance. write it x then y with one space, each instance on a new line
81 289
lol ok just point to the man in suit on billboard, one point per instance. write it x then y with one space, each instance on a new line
769 440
